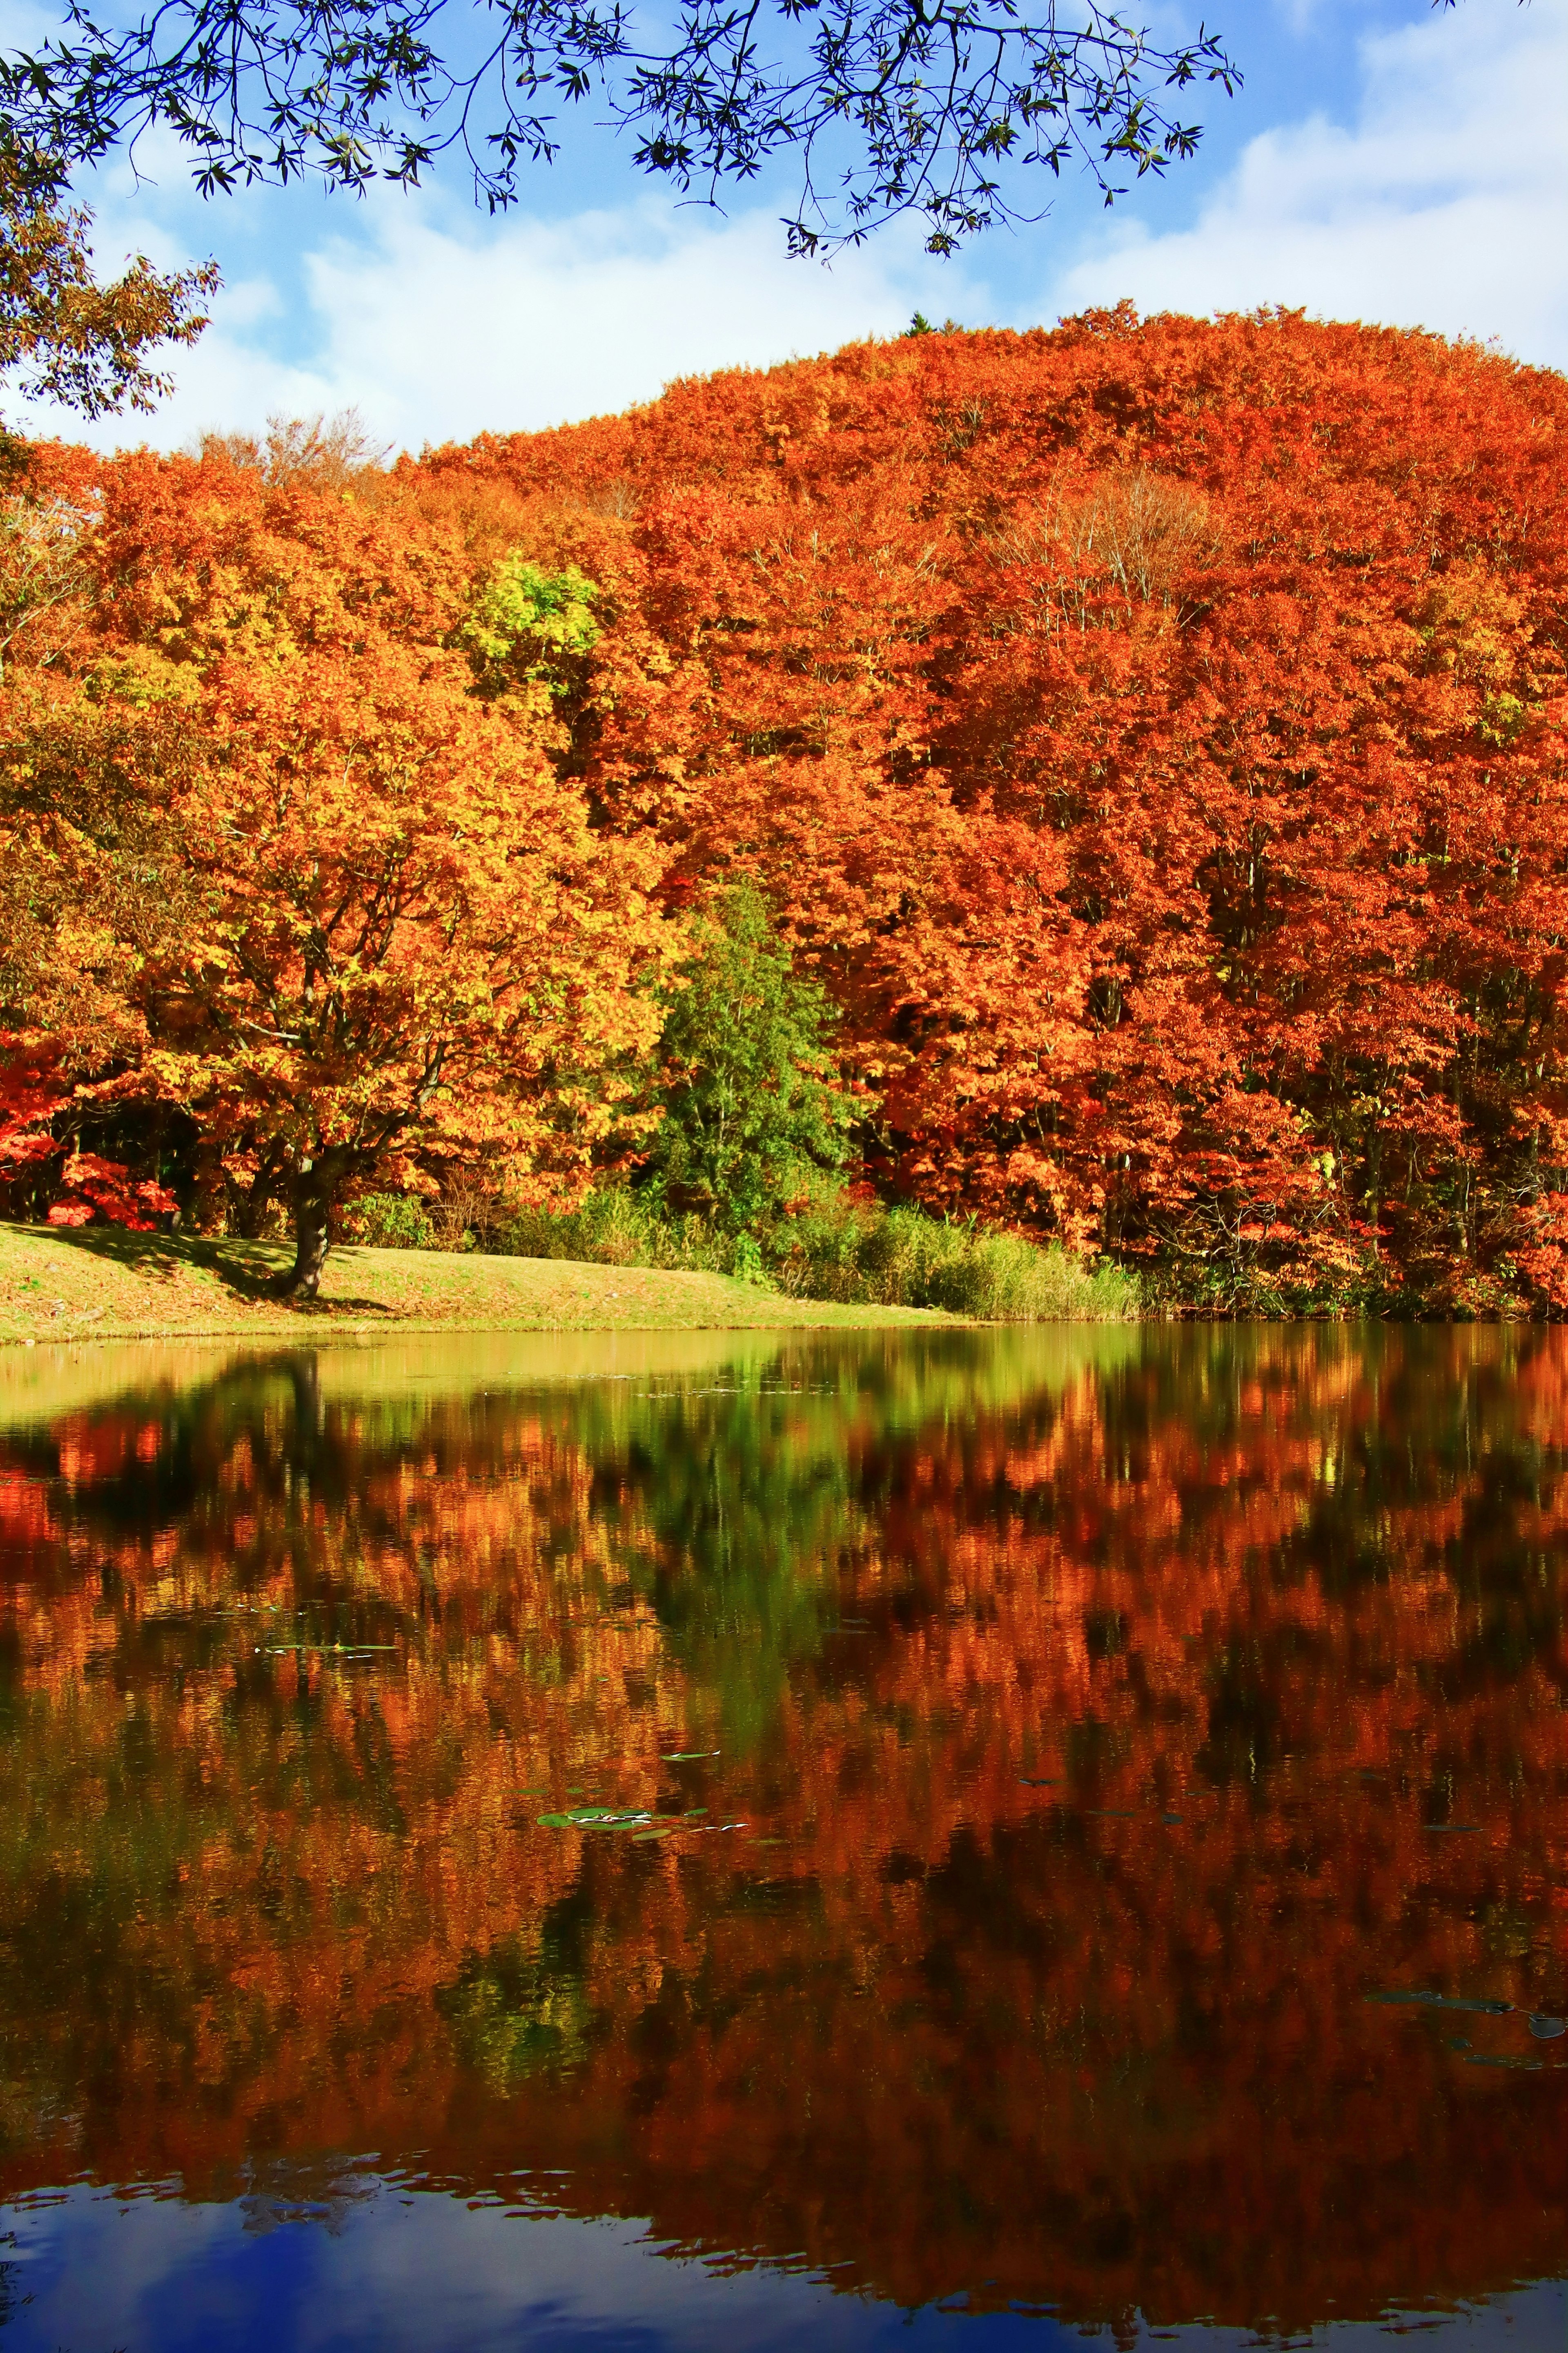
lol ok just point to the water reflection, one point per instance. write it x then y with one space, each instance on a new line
996 1788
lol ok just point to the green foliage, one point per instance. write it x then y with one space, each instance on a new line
389 1222
866 1254
747 1085
859 1253
527 622
611 1227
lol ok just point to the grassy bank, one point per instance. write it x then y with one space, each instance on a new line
99 1283
854 1253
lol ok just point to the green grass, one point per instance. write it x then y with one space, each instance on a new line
101 1282
871 1256
836 1251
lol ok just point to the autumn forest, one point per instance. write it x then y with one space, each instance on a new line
1141 746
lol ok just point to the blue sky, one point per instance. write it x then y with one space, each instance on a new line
1384 161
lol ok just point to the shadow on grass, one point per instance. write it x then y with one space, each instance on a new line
251 1271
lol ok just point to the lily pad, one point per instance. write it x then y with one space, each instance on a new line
1452 1829
641 1838
594 1818
327 1650
1491 2059
1547 2030
1036 1781
685 1755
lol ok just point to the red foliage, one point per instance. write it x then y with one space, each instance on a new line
94 1188
82 1188
30 1095
1154 734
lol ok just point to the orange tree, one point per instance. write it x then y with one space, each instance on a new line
348 920
1155 736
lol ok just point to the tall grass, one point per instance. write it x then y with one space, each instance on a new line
899 1258
859 1253
615 1226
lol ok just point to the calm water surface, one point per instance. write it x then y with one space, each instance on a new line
698 1841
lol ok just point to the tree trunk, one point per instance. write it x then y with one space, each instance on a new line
257 1199
313 1190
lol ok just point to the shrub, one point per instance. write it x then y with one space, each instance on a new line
859 1253
618 1227
865 1253
389 1222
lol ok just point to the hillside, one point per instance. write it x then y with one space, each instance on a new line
1152 735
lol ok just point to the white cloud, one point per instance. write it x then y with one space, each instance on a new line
542 321
437 326
1444 206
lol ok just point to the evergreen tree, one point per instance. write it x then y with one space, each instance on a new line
747 1081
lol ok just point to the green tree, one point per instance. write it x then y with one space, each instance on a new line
526 623
747 1083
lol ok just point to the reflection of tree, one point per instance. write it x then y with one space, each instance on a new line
266 1890
730 1511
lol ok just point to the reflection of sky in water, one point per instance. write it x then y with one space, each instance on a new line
1072 1818
387 2272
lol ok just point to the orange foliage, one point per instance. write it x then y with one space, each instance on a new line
350 920
1154 734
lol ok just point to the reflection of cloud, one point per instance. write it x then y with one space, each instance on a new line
439 326
407 2273
1445 207
400 2273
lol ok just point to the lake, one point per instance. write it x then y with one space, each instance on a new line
885 1839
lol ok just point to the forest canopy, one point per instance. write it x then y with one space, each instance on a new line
1147 737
